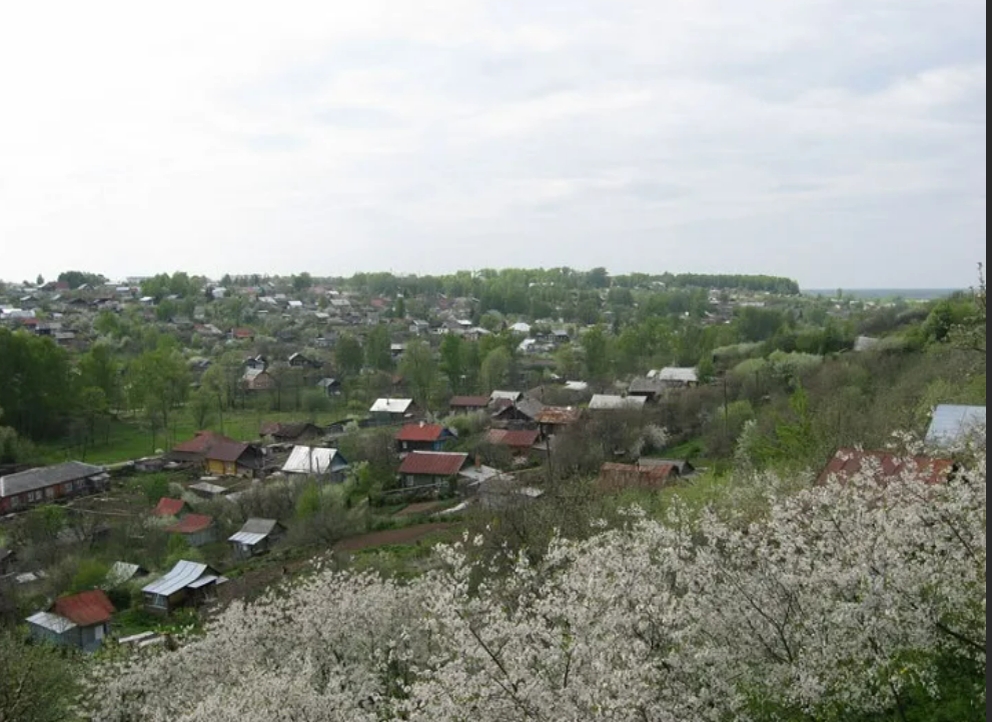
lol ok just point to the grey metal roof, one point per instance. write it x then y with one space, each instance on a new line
254 531
183 575
391 406
601 402
51 622
45 477
952 424
121 573
312 460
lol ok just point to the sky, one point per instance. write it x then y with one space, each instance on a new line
837 142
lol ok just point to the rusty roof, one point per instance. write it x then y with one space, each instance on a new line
428 463
621 477
169 507
513 439
86 609
885 466
191 524
422 433
559 415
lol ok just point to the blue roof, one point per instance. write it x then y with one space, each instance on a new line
954 423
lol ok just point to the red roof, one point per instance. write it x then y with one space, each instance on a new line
200 443
421 432
226 450
885 466
169 507
559 415
620 477
514 439
191 524
426 463
469 402
243 333
86 609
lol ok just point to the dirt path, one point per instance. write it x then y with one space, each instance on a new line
408 535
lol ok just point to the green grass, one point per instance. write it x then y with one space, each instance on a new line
129 439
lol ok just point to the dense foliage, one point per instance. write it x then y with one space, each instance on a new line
841 602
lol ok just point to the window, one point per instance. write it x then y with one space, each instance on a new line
50 493
67 488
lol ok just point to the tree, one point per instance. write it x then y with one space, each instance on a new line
75 279
201 406
303 282
99 369
93 408
377 349
348 355
400 310
159 383
419 370
496 368
38 683
453 360
597 351
846 601
40 281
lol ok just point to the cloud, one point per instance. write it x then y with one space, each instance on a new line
841 142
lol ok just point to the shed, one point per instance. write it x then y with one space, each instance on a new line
952 425
51 484
122 573
430 468
187 583
392 409
313 461
198 529
81 621
257 536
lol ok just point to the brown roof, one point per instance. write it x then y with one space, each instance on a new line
559 415
86 609
885 466
425 463
514 439
288 431
469 402
200 443
420 432
227 451
621 477
169 507
192 524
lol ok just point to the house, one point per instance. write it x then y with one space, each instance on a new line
431 468
197 529
614 478
651 389
220 455
418 328
331 387
186 584
884 466
422 437
392 410
256 537
243 334
122 573
296 433
81 621
603 402
397 350
257 380
299 361
526 411
676 378
51 484
521 328
682 467
468 404
554 419
518 442
311 461
953 425
257 363
170 508
508 396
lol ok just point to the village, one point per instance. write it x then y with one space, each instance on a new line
317 423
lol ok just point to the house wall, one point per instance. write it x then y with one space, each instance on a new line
58 492
221 468
201 538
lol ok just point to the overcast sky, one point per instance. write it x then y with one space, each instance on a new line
838 142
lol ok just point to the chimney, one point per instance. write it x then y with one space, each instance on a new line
478 461
422 423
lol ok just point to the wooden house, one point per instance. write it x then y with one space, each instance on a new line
256 537
51 484
188 583
81 621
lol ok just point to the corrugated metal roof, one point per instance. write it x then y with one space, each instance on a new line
885 466
254 531
45 477
169 507
427 463
182 576
678 375
421 433
203 581
121 573
952 424
391 406
51 622
513 439
602 402
313 460
512 396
